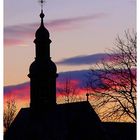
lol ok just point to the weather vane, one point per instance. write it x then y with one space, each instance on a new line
42 3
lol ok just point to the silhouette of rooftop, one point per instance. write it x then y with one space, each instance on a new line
72 121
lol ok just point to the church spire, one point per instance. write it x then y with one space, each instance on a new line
42 71
42 16
42 3
42 40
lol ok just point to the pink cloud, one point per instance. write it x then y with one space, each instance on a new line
21 93
20 34
13 42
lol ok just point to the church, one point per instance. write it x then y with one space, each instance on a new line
47 120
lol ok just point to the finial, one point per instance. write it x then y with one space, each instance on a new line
42 14
87 96
42 3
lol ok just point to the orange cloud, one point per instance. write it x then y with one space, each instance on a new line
21 93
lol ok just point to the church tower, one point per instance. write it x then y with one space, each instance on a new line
42 71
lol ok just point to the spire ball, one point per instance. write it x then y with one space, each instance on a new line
42 14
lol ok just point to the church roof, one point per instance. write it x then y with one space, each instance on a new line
120 130
72 121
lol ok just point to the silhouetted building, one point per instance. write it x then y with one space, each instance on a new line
73 121
45 120
42 72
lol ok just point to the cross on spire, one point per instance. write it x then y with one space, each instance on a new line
42 3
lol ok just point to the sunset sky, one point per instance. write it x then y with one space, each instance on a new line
82 31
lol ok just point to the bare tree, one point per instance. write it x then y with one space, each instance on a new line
69 90
112 82
9 113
